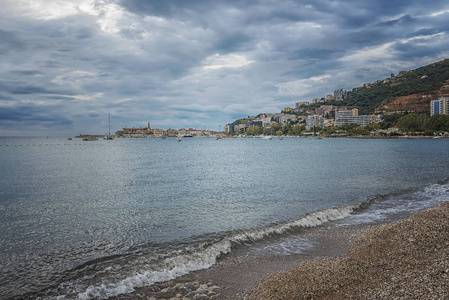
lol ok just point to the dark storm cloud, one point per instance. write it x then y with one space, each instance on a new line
26 72
175 8
27 90
233 42
61 98
308 53
2 97
181 63
10 41
31 115
24 88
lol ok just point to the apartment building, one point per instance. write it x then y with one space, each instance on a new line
439 106
347 117
314 121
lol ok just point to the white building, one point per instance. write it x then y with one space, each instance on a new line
287 118
314 121
347 117
439 106
266 122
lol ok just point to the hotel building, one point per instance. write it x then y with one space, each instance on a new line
439 106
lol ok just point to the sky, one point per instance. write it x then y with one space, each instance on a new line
65 65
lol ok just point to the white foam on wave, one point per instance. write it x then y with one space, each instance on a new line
174 267
401 203
285 246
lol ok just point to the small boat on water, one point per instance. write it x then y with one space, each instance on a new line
90 138
267 137
109 136
178 139
218 136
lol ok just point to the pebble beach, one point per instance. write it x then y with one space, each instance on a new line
406 259
403 260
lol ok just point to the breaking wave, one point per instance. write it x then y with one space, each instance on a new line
200 256
203 255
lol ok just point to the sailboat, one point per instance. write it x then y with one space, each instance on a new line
218 136
109 136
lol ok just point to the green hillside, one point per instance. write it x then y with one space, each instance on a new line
425 80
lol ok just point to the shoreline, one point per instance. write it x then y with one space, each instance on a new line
236 276
401 260
323 272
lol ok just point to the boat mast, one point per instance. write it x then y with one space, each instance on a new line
109 123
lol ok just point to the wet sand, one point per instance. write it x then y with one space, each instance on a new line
238 276
405 259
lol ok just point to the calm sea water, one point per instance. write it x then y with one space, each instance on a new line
89 220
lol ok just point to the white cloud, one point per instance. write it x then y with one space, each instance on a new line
303 86
423 39
218 61
89 97
439 13
108 15
74 77
367 54
387 51
44 9
195 107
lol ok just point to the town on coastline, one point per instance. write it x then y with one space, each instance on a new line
320 118
147 131
412 103
327 117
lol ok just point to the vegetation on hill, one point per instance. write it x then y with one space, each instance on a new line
421 123
404 99
425 80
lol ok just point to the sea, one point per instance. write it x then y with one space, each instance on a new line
97 219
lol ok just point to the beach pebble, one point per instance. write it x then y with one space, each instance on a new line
402 260
200 297
184 291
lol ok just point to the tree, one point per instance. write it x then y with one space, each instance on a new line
279 132
287 128
266 131
393 118
439 122
275 127
332 130
423 121
408 123
359 130
297 129
374 126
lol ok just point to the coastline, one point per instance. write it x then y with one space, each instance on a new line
402 260
394 258
237 276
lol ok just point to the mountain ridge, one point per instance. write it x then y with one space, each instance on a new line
409 91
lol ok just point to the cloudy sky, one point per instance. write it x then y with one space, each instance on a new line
197 63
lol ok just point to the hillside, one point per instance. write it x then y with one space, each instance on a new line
408 91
